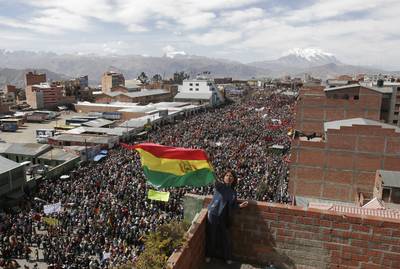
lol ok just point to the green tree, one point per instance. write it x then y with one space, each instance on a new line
161 244
156 78
179 77
143 77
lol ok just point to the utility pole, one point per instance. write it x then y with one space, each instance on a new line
86 151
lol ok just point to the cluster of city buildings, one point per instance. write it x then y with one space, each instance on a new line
58 124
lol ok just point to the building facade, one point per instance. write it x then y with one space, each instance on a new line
110 80
317 105
199 91
342 166
44 95
33 78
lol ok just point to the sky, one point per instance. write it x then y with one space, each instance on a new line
359 32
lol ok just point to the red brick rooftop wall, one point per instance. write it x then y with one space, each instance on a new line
295 237
193 253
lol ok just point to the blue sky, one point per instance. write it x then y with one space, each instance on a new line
361 32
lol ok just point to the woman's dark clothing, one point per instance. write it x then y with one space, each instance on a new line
220 211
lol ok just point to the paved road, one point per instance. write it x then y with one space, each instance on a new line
27 133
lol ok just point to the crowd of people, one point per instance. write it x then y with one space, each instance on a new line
106 213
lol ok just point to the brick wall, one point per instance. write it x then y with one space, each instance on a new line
314 107
345 164
34 78
192 255
294 237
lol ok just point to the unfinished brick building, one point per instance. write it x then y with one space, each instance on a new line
317 105
349 142
342 165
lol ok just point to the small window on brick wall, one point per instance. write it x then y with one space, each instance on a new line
356 97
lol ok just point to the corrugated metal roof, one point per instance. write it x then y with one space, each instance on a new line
374 204
357 121
97 123
58 155
377 89
194 95
141 93
375 212
390 178
383 213
27 149
110 131
82 138
7 165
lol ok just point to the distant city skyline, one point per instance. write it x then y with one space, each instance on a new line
358 32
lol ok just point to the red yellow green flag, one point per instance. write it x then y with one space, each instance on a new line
174 167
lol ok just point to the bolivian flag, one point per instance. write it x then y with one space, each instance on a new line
174 167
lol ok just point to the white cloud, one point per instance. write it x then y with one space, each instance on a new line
215 37
237 17
59 19
249 29
170 52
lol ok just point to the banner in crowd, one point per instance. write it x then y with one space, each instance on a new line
106 256
52 208
158 195
174 167
50 221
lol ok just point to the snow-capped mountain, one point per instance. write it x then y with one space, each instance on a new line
299 58
131 66
308 57
313 61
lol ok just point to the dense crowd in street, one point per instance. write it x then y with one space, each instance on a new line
105 210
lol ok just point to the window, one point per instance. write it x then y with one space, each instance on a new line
197 89
395 121
191 89
386 194
190 84
197 84
356 97
395 197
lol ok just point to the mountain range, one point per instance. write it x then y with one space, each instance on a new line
296 62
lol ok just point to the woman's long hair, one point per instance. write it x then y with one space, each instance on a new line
235 180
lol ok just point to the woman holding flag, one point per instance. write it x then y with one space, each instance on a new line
220 212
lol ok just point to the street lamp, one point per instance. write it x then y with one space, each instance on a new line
40 200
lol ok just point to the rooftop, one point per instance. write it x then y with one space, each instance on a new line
98 123
357 121
110 131
194 95
7 165
141 93
377 89
58 155
139 122
83 138
390 178
382 213
27 149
